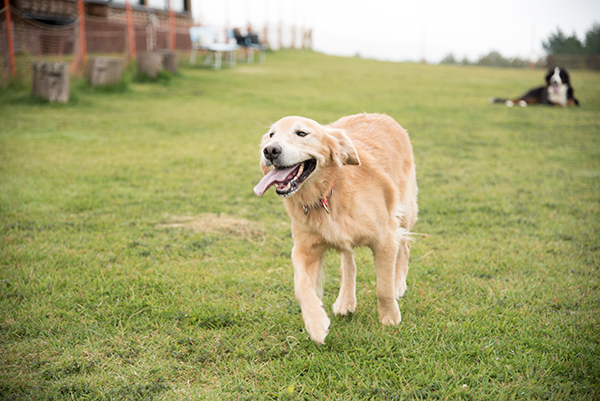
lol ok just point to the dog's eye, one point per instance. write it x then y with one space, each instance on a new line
301 133
271 134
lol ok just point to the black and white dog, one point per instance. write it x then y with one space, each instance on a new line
557 92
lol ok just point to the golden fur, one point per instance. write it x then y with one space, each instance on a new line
368 159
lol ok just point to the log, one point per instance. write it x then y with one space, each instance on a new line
104 71
51 81
170 61
149 63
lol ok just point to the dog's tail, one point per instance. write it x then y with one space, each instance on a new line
508 102
493 100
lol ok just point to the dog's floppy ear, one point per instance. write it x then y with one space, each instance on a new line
346 153
549 75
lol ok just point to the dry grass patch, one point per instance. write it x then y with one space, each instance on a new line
213 223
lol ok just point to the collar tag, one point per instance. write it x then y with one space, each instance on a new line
325 205
324 201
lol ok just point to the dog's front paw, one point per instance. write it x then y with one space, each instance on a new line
392 319
401 289
389 313
318 330
344 306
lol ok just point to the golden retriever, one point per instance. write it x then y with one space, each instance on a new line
346 185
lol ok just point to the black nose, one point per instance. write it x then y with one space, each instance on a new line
272 152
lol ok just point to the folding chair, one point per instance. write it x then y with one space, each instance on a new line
250 48
203 38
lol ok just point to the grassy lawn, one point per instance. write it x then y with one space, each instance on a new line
137 263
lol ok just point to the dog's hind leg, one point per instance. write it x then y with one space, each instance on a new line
346 301
385 266
402 267
307 275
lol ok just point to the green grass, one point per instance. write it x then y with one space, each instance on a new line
99 300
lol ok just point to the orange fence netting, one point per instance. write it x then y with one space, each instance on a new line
33 40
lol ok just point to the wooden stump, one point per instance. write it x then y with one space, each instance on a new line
149 63
104 71
170 61
51 81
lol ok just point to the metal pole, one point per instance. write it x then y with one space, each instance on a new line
11 49
82 32
130 31
172 26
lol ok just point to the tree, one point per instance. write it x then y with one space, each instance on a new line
449 59
558 43
493 59
592 40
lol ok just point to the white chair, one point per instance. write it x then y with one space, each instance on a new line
203 38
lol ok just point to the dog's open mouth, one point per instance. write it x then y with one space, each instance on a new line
555 86
287 180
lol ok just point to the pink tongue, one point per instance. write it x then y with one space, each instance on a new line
275 176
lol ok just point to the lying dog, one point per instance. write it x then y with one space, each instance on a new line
345 185
557 92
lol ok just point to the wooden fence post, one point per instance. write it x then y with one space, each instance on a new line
104 71
149 63
169 61
51 81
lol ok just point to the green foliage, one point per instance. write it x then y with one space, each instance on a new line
163 77
492 59
449 59
495 59
558 43
592 40
106 293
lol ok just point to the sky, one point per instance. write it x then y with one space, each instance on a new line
397 30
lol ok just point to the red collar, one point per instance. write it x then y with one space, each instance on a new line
324 201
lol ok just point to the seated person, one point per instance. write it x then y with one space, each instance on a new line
252 36
239 37
246 38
